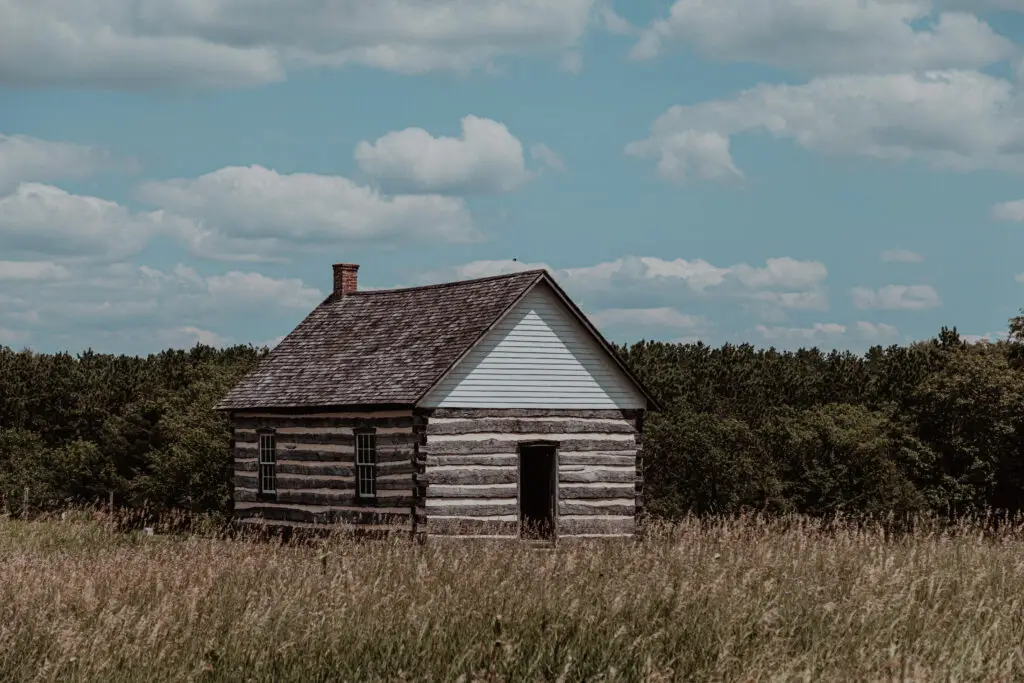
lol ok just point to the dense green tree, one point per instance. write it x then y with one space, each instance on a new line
935 425
705 464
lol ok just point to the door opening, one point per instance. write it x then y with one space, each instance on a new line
538 490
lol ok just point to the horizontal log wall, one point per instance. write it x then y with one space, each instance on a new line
471 459
316 469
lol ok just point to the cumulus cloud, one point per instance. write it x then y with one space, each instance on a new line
1009 212
195 335
838 36
900 256
817 333
980 5
32 270
953 120
686 154
28 159
987 338
257 289
42 220
644 273
485 158
254 213
125 308
224 43
663 317
547 156
861 331
876 332
896 297
646 295
234 289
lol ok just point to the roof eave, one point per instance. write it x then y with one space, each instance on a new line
319 408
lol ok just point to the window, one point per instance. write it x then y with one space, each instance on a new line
366 465
268 464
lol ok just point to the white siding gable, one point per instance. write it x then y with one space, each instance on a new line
538 356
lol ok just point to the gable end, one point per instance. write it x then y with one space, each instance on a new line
539 355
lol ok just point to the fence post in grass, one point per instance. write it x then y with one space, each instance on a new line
24 503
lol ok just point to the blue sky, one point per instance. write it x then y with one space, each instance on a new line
788 173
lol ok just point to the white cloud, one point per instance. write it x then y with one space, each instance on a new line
144 339
818 333
486 158
784 272
547 156
45 220
838 36
647 317
257 289
828 333
32 270
201 336
1009 212
225 43
683 154
660 285
254 213
896 297
615 23
695 275
987 338
231 290
980 5
126 308
772 305
954 120
876 332
900 256
27 159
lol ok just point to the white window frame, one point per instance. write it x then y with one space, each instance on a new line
266 470
366 465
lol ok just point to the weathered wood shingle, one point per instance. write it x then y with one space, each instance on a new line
378 347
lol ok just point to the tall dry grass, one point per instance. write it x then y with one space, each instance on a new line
740 600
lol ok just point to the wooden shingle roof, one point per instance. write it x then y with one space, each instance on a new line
378 347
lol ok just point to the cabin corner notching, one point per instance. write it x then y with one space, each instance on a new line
505 415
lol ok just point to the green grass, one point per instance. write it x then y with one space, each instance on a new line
741 600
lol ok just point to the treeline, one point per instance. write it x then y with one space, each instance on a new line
73 430
936 426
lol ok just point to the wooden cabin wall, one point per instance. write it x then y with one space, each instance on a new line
472 470
316 469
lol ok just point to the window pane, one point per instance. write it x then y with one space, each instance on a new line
267 458
366 461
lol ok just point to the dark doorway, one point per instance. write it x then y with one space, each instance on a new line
537 490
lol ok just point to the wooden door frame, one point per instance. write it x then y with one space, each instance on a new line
542 443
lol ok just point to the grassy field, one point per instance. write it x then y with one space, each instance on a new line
734 600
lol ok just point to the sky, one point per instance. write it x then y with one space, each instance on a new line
832 173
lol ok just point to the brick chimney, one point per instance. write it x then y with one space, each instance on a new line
345 278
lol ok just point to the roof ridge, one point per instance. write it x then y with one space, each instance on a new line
452 283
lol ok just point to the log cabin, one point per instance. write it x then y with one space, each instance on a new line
489 407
